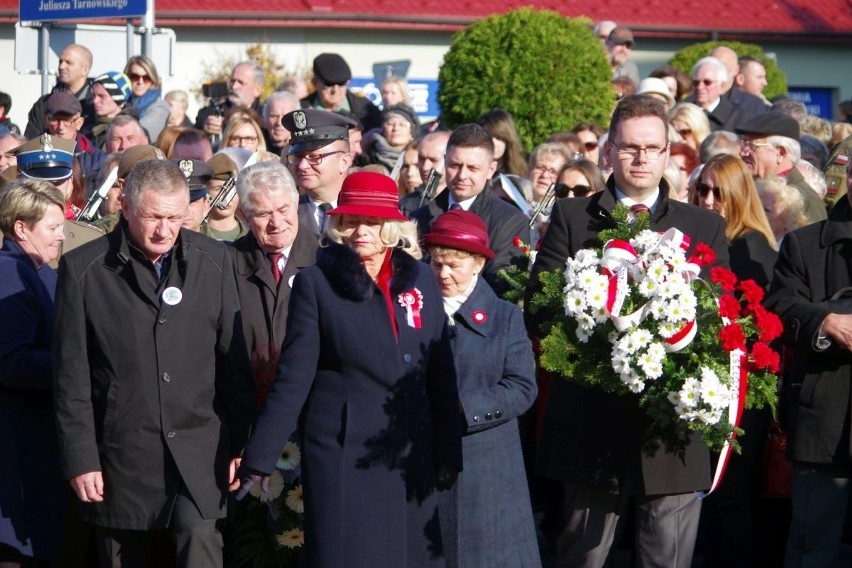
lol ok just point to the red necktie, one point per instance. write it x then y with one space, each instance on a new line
274 257
639 208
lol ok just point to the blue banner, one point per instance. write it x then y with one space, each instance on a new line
48 10
818 100
423 93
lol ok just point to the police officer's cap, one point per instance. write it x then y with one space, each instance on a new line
46 157
197 174
311 129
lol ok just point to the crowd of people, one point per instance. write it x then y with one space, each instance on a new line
190 295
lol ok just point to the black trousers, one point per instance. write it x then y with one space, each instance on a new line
195 541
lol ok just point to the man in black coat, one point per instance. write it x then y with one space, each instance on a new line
469 164
813 267
726 109
266 261
331 84
593 441
244 89
152 383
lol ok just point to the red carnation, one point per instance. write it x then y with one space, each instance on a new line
764 357
768 323
517 242
724 277
729 307
752 292
704 255
732 337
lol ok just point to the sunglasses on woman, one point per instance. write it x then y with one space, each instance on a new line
704 189
563 190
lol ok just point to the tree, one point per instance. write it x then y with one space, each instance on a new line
776 80
548 71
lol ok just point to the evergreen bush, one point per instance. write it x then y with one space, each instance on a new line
549 71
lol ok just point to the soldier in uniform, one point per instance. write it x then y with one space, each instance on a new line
319 160
198 174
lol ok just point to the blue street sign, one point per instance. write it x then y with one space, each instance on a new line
818 100
423 92
49 10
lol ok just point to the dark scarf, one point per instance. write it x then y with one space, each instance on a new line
346 273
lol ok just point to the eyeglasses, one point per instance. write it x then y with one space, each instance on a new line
750 145
325 85
541 170
241 139
652 153
704 189
56 121
312 159
402 124
138 77
705 82
589 146
684 132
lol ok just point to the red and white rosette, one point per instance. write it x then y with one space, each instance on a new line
618 259
412 301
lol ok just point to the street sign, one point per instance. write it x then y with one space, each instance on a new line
51 10
423 93
818 100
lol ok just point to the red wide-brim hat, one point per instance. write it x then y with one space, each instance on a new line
369 194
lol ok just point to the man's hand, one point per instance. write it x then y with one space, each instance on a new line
89 487
839 328
213 124
233 482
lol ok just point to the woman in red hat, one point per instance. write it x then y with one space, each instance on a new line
367 373
486 518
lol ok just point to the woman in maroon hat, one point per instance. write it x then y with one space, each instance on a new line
486 519
367 373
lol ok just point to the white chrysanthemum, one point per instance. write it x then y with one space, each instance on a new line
294 538
657 271
633 381
575 302
583 334
650 365
643 337
668 329
629 343
657 310
620 363
674 397
690 392
295 499
648 287
585 321
586 258
675 312
657 350
290 457
587 278
601 315
612 337
276 486
644 240
596 298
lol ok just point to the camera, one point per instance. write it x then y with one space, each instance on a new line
217 93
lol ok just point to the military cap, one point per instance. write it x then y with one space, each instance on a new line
332 69
136 154
772 123
311 129
63 103
46 157
197 174
224 167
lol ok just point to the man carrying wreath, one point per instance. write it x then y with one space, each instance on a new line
592 441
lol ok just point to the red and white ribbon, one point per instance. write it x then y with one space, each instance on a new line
739 375
412 301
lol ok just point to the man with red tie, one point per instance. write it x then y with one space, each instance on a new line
592 441
267 259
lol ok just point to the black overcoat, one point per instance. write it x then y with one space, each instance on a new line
378 414
591 437
263 304
150 393
814 263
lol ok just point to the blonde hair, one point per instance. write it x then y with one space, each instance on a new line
239 119
394 234
27 200
790 200
403 88
694 117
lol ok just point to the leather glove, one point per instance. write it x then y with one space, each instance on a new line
446 477
248 479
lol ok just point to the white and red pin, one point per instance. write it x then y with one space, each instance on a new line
479 316
412 301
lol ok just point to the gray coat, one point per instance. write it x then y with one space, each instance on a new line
151 394
486 518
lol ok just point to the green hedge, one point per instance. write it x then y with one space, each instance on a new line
549 71
776 80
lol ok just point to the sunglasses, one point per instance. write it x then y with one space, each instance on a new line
684 132
137 77
704 189
589 146
705 82
563 190
330 85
